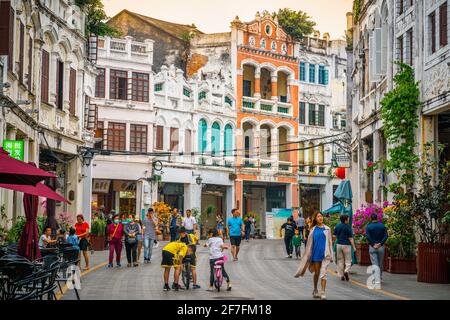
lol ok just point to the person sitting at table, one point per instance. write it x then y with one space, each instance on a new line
45 240
73 239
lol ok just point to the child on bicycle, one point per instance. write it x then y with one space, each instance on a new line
191 241
216 247
297 240
172 256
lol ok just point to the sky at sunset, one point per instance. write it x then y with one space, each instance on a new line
212 16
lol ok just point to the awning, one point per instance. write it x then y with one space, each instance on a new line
14 171
40 190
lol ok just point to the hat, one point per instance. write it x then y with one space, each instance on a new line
181 230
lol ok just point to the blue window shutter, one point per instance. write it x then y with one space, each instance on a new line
215 139
302 71
312 73
326 76
202 129
321 75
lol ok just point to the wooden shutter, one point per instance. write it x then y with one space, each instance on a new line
45 72
5 27
73 91
443 25
174 138
433 32
159 137
384 47
321 115
302 113
21 51
30 64
378 52
188 141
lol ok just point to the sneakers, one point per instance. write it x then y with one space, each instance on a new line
110 265
210 289
316 294
195 286
119 265
290 256
228 286
135 264
166 287
346 276
176 287
323 296
155 245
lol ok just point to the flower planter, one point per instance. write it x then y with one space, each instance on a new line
432 266
386 259
401 265
362 254
97 242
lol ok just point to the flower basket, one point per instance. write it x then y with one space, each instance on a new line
97 242
402 265
432 266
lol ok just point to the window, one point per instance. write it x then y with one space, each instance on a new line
159 137
140 87
158 87
432 24
59 84
99 132
186 92
312 114
202 95
116 136
323 75
312 73
187 141
400 49
229 101
302 71
268 29
401 7
343 124
247 88
174 139
321 116
443 25
202 131
118 84
215 139
30 64
45 72
138 138
72 91
263 43
302 113
301 153
321 154
228 140
100 83
21 51
410 46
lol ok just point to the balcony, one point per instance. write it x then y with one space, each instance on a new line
265 164
284 109
250 163
267 106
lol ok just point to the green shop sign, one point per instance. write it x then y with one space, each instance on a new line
15 148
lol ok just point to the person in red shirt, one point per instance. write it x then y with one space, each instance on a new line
115 235
82 231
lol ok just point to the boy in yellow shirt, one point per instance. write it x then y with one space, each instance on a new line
172 256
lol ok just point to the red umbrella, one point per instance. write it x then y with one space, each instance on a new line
18 172
40 190
29 240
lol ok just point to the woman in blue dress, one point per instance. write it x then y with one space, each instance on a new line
318 254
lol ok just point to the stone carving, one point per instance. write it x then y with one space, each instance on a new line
437 81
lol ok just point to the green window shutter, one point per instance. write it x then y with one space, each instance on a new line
228 140
215 139
302 113
302 71
312 73
321 115
202 131
312 114
326 77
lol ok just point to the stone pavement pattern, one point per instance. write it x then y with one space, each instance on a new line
262 272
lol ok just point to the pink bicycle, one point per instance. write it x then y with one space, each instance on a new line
218 276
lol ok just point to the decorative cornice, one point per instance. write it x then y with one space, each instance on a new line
268 53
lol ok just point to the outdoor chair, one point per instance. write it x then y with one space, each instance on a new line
46 282
16 279
45 262
69 257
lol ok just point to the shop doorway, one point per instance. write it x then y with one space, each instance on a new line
310 199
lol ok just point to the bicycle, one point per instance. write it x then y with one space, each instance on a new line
186 274
218 277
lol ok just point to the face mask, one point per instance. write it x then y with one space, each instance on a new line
130 220
124 221
116 221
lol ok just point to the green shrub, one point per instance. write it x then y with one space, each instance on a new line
98 227
16 230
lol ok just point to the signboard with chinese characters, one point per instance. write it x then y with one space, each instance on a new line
100 186
15 148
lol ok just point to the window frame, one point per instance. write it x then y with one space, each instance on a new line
114 84
116 130
138 131
100 83
140 86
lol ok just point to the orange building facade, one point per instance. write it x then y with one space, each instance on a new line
266 78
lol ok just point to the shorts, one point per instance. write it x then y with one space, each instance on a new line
84 244
193 260
235 240
168 260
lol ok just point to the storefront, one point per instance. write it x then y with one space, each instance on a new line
172 194
118 195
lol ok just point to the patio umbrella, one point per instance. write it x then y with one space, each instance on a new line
18 172
40 190
29 240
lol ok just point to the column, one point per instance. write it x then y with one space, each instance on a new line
274 156
289 195
257 92
327 196
127 136
139 199
256 141
238 191
230 201
274 80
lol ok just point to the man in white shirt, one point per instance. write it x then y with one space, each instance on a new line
189 223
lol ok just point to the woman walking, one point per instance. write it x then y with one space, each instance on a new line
220 224
115 235
82 231
318 254
306 230
140 239
131 230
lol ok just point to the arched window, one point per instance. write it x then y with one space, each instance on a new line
321 155
215 139
301 153
311 153
228 140
202 133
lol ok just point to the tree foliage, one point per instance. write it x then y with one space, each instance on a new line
96 17
297 24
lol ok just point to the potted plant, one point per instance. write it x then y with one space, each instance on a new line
198 217
13 234
402 239
431 211
361 219
97 234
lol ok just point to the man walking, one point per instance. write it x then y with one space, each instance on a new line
289 231
189 223
235 231
376 234
300 222
175 223
150 224
344 235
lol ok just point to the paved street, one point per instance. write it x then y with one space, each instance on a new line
262 272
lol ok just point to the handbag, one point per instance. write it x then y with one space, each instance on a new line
114 233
